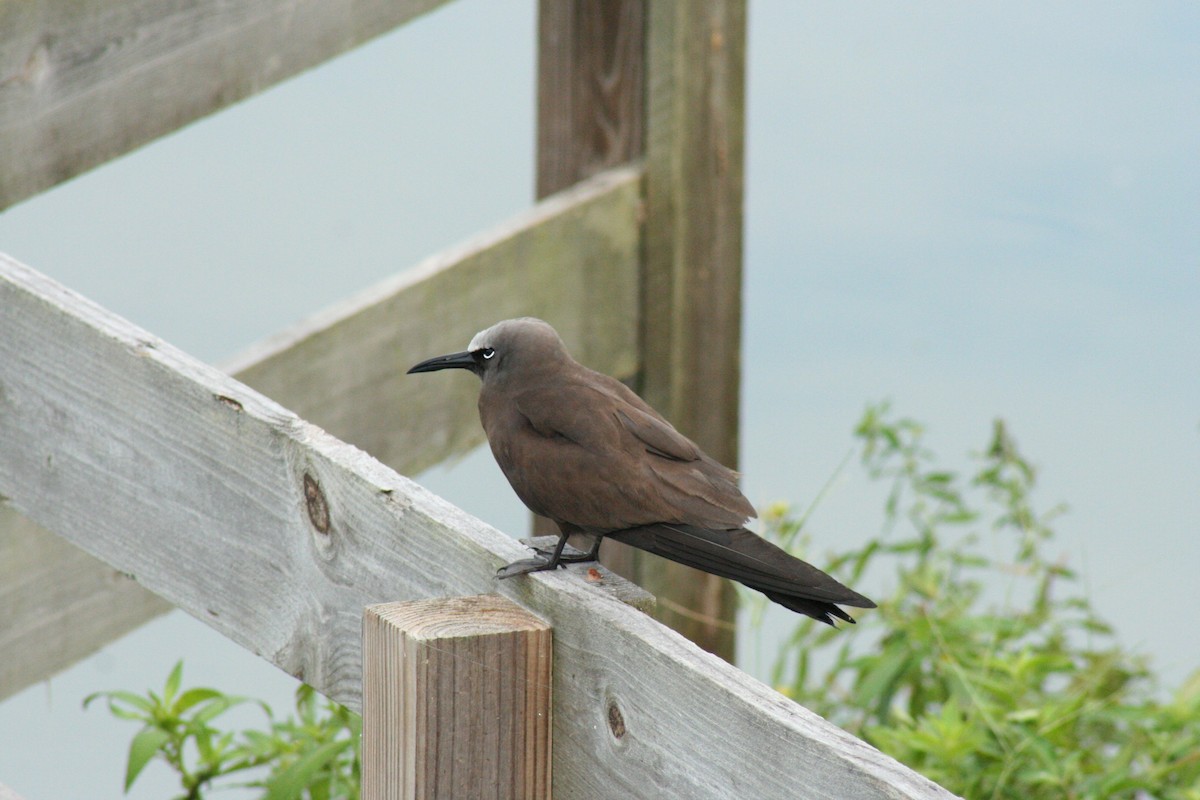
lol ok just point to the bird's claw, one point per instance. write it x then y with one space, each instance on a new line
524 567
573 558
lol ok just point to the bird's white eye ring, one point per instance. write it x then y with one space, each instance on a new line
487 352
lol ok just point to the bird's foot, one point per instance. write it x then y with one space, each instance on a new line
579 559
525 567
574 558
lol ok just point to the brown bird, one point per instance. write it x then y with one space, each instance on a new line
583 450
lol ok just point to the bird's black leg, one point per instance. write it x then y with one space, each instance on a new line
535 564
590 555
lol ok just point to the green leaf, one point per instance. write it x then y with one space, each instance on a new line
1023 715
173 681
260 745
1188 694
216 707
129 698
288 784
878 680
141 750
192 697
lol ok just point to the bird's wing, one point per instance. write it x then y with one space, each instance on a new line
595 447
657 434
745 557
699 484
565 461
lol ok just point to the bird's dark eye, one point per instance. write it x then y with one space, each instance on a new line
487 352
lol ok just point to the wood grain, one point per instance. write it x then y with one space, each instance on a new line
591 70
277 535
456 700
84 81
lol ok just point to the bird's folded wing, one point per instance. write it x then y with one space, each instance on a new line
658 436
742 556
626 454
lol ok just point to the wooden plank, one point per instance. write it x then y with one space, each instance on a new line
691 301
83 81
456 700
277 535
571 260
46 586
590 80
345 369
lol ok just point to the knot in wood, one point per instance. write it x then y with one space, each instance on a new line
616 720
318 509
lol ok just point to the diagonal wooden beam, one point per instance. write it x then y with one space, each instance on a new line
84 81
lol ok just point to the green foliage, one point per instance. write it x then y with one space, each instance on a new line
1023 696
314 755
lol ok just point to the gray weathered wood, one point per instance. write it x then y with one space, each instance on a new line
572 259
84 81
456 700
277 535
46 586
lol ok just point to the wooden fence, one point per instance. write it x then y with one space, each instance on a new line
188 483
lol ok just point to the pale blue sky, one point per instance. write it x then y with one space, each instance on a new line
974 210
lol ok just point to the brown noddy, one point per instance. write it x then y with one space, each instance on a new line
584 450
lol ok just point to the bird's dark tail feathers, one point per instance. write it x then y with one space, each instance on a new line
751 560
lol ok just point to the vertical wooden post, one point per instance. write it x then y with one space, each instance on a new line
691 305
664 81
456 700
591 78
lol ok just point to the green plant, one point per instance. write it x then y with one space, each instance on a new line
314 755
1026 695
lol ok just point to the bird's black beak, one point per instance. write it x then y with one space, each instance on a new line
464 360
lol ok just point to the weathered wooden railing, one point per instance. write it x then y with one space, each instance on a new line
218 500
229 506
